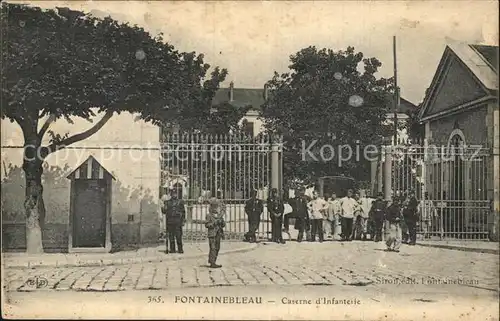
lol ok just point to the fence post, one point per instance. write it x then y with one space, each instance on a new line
275 164
380 177
425 157
373 176
388 173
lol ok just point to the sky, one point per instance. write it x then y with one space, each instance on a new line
252 39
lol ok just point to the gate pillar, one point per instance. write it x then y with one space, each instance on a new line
388 173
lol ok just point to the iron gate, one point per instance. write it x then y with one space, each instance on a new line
453 179
199 166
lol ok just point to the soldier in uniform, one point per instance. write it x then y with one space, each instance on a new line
334 212
300 213
276 208
410 219
427 212
254 209
394 218
378 211
215 224
175 218
349 208
365 204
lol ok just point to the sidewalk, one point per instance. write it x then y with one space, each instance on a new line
143 255
460 245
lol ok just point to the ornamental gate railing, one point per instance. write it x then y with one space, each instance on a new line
198 166
456 179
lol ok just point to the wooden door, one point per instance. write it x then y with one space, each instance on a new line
89 220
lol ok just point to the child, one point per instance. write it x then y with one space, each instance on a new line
393 218
215 224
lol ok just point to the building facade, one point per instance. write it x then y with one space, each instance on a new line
460 111
101 192
248 98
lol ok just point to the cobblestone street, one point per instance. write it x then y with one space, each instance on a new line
354 263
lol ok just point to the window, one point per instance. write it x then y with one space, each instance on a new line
248 128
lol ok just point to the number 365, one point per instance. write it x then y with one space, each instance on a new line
155 299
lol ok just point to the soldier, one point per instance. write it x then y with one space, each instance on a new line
215 224
377 212
300 213
393 218
317 213
276 208
365 205
410 218
327 221
349 207
254 209
427 212
334 211
358 218
175 218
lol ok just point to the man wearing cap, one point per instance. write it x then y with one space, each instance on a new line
410 219
254 209
378 212
349 206
426 212
275 208
394 217
317 212
300 213
175 218
215 224
334 211
365 204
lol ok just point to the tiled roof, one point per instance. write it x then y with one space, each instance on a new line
254 97
242 97
489 53
481 62
479 65
405 106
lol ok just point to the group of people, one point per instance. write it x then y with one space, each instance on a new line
351 217
174 210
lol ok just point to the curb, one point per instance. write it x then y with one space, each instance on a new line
460 248
125 261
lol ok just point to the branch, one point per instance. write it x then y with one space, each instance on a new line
45 126
81 136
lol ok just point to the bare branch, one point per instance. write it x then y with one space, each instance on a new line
45 126
81 136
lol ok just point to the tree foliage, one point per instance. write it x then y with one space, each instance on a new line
416 130
325 97
65 64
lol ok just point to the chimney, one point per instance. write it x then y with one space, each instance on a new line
266 92
231 93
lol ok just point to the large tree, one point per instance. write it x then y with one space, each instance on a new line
65 64
326 99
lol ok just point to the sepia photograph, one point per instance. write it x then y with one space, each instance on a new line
250 160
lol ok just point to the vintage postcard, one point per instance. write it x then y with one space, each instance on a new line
237 160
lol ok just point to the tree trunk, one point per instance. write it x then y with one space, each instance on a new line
34 205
